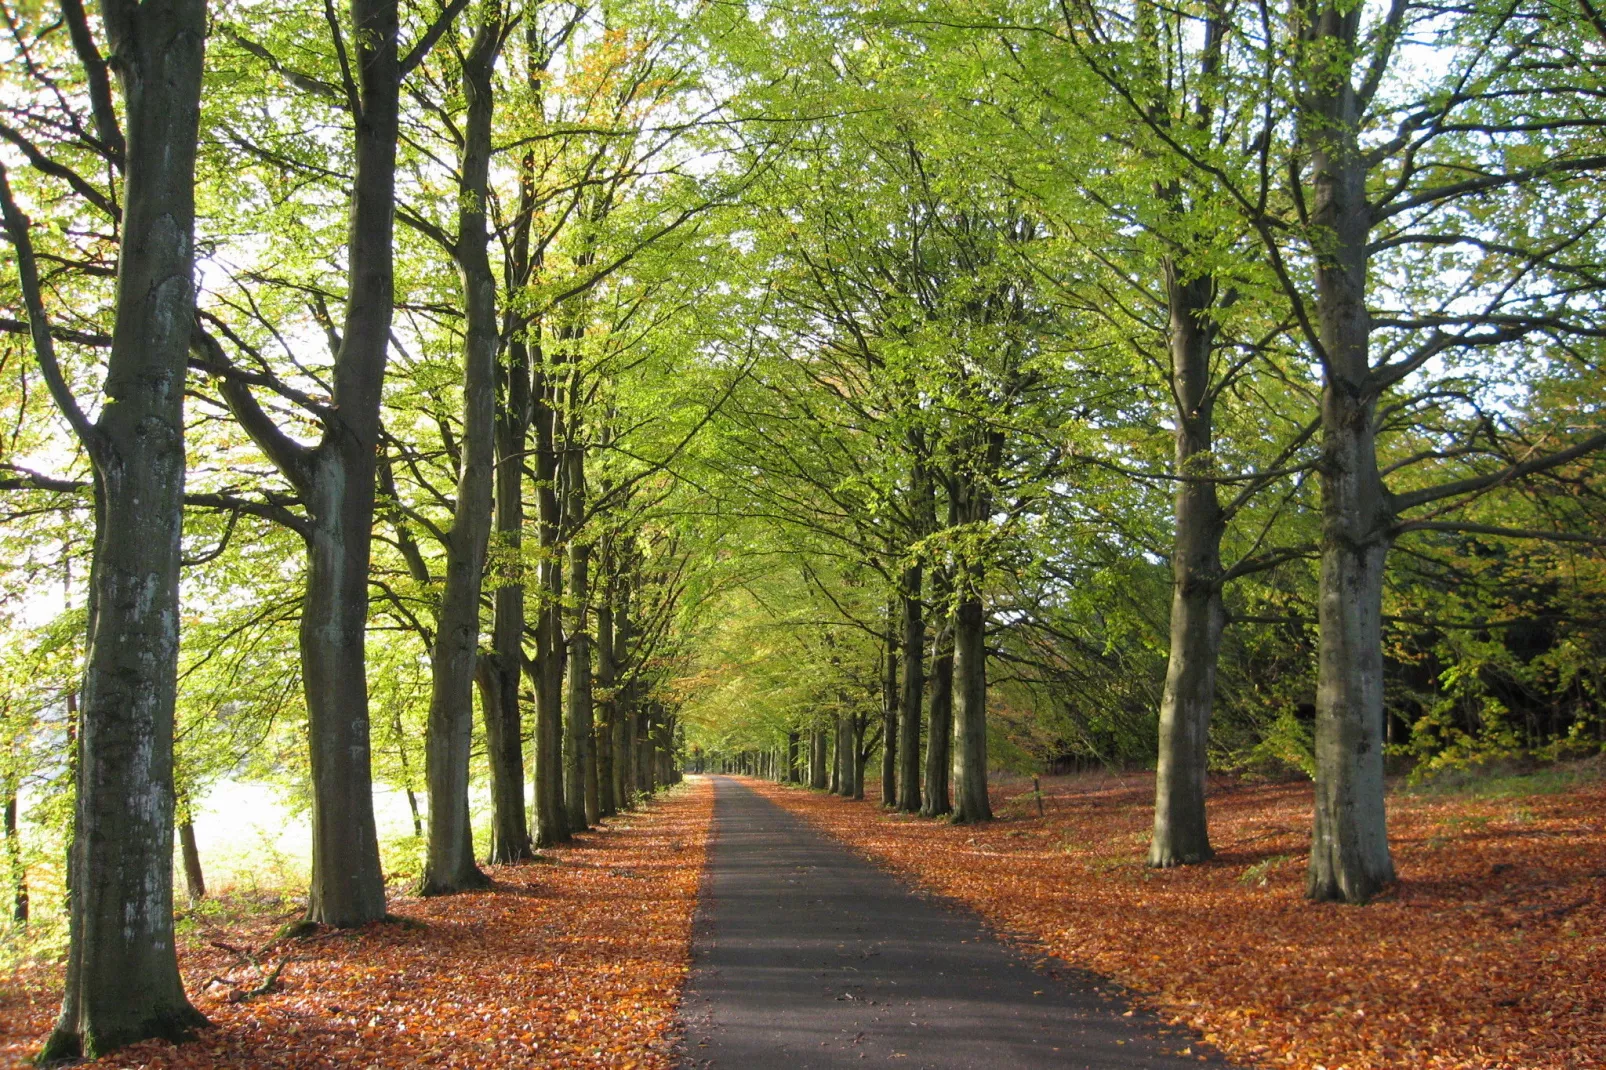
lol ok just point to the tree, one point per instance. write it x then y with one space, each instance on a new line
335 479
122 981
450 864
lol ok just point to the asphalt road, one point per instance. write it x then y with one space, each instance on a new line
806 956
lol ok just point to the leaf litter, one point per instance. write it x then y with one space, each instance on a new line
577 963
1488 954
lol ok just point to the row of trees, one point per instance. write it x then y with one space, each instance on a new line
340 438
1342 258
958 385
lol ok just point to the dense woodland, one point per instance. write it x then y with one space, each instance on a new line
547 397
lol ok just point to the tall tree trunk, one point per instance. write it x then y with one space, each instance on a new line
914 685
582 793
936 800
503 671
632 749
336 484
1181 835
449 861
834 784
645 785
819 775
793 748
974 506
607 764
551 820
1349 856
889 707
580 751
970 679
500 671
348 886
861 754
624 707
122 981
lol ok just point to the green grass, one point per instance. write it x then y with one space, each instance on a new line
1501 782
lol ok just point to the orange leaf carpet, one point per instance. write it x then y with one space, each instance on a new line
1489 954
574 964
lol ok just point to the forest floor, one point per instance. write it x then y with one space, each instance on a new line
576 962
1488 954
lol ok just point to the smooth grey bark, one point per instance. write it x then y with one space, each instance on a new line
913 648
624 716
819 746
889 707
1181 835
337 485
793 756
581 796
1349 858
505 668
122 982
972 505
646 745
936 801
606 733
580 754
834 782
970 707
632 777
335 482
449 860
860 755
546 676
500 671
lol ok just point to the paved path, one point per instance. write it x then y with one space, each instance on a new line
805 956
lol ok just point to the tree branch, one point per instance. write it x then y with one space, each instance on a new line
44 345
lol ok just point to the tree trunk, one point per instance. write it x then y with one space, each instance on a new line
504 671
889 708
914 686
972 505
500 672
418 819
348 886
834 786
18 869
449 861
122 981
194 878
1181 835
936 800
861 756
551 819
580 769
819 775
793 756
970 678
632 747
644 752
582 798
1349 856
606 735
